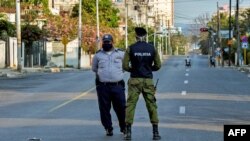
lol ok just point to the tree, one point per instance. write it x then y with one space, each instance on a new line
193 39
245 22
178 43
39 4
202 37
7 3
30 33
58 26
6 29
108 15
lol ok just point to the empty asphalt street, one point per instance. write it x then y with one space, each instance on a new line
193 104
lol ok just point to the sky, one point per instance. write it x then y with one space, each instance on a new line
186 11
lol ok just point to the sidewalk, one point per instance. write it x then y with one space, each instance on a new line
244 68
13 73
10 73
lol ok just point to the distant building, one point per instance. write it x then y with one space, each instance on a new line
154 13
120 5
58 6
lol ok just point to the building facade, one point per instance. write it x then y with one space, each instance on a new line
57 6
154 13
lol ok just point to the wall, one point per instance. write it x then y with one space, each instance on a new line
13 52
56 48
2 54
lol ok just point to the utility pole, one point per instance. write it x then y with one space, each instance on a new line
97 25
169 37
19 42
80 34
218 33
147 20
238 33
166 42
229 45
126 22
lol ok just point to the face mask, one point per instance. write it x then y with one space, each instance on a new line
107 47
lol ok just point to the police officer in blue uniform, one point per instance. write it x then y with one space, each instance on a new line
110 87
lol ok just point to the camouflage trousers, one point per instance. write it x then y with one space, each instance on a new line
136 86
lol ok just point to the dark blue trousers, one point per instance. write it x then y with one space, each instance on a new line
111 95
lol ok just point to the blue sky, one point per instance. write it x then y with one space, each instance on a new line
187 10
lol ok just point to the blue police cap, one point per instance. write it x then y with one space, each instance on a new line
107 37
140 31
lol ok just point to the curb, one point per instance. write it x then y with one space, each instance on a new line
8 73
15 75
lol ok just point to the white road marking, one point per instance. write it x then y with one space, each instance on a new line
71 100
182 110
248 75
187 69
183 92
186 82
186 74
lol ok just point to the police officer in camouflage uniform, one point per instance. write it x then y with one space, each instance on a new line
140 60
110 87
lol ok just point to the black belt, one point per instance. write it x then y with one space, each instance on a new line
113 83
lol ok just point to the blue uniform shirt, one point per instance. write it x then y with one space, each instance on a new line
108 65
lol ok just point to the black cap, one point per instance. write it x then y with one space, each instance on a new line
140 31
107 37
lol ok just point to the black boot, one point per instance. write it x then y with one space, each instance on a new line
156 135
109 132
127 135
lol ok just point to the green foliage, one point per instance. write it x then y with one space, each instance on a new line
131 32
213 23
43 3
131 35
58 26
30 16
35 2
178 42
7 3
6 29
204 46
31 33
224 21
108 15
245 22
194 39
3 16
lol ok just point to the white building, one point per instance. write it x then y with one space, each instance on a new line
161 12
155 13
61 5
